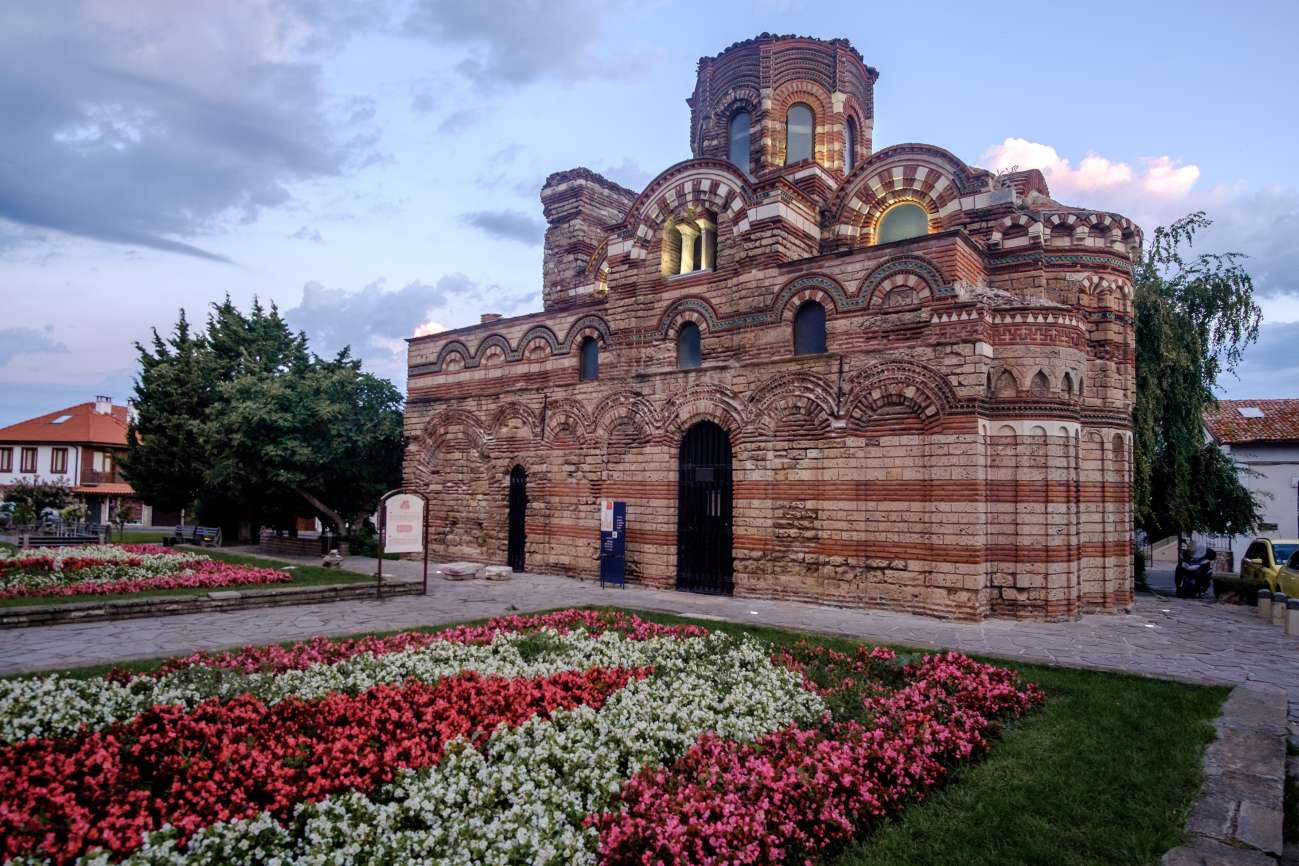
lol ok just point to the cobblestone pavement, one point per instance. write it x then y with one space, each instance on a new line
1164 637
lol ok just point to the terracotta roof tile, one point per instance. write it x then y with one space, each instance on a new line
83 424
1279 421
108 488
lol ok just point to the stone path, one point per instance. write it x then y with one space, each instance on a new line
1165 637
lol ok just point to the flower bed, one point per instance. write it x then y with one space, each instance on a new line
575 737
120 569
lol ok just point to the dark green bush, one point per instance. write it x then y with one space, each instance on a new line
1234 589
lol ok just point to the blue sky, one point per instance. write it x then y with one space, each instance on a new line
374 167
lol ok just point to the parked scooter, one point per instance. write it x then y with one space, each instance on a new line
1194 572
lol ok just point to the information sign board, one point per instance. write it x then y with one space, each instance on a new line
613 543
403 524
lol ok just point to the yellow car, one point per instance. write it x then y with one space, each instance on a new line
1264 558
1287 577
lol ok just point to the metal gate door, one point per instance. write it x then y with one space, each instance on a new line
704 510
518 536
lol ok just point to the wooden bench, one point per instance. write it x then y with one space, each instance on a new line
203 536
58 540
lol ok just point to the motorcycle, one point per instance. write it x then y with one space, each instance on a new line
1194 573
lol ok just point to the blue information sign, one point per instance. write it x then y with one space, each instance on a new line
613 543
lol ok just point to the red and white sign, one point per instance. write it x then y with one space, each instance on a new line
403 524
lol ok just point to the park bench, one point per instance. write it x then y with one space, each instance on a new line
203 536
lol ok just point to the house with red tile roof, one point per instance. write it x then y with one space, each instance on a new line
1262 436
80 446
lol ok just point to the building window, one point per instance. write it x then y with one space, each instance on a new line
738 134
6 460
799 123
850 145
689 244
588 364
809 329
58 461
902 221
28 460
689 349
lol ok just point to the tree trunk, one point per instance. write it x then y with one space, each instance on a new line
323 509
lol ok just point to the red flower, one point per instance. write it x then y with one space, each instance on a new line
232 759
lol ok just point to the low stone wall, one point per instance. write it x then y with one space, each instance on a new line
212 602
1237 820
285 546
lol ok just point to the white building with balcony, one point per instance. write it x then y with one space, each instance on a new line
78 446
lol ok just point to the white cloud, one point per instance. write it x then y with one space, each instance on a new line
1165 177
1160 176
429 327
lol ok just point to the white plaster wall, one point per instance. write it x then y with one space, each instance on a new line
42 473
1273 478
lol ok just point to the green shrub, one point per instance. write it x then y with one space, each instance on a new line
1234 589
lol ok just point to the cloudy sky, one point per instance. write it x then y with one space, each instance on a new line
373 167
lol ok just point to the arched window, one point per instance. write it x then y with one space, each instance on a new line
588 363
799 123
689 350
809 329
902 221
739 139
689 243
850 145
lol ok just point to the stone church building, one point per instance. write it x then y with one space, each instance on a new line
812 369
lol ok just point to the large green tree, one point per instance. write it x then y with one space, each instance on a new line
1195 315
247 422
172 397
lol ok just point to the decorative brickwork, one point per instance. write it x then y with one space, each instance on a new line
961 449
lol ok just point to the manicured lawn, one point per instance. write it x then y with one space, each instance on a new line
1103 773
303 575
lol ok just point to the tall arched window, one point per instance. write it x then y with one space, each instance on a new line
902 221
809 329
588 362
689 348
849 145
799 123
739 139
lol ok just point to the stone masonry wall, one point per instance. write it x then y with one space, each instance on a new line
962 448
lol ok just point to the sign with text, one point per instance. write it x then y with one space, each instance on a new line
613 543
403 520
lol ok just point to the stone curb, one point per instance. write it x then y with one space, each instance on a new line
213 602
1238 816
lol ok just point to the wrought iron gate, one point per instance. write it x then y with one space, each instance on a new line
704 510
518 537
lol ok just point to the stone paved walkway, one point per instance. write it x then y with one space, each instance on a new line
1164 637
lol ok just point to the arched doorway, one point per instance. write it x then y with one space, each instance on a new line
704 510
518 531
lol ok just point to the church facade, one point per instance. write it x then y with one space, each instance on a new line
811 369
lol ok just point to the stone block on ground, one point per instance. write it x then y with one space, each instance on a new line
498 572
461 570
